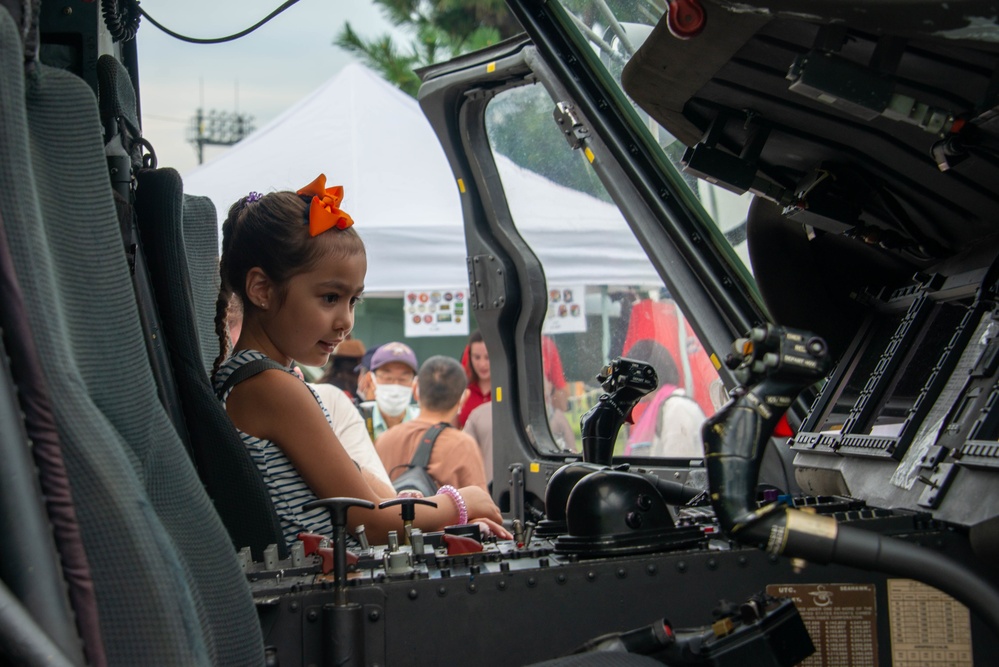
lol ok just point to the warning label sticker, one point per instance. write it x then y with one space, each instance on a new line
928 628
841 619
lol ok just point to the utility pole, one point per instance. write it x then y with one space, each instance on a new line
217 128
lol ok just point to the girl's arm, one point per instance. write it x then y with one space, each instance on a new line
381 489
279 407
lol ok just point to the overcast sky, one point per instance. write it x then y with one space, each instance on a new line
263 73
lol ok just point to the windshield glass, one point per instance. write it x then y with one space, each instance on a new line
605 299
615 29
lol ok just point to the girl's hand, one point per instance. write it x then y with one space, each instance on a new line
479 504
489 527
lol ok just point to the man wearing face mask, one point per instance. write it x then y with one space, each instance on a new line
393 369
454 457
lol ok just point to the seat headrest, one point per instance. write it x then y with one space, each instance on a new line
25 15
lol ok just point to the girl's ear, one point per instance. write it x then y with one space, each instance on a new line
259 288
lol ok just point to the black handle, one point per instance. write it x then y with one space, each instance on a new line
408 506
773 363
338 517
338 508
626 381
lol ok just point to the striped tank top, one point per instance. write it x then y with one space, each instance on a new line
287 489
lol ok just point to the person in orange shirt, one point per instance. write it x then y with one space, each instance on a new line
455 458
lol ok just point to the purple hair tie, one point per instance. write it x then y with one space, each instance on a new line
253 196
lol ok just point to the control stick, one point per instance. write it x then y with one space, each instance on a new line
625 382
337 508
343 622
408 513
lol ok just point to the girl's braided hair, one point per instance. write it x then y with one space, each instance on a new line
271 232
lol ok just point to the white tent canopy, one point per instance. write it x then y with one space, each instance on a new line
373 139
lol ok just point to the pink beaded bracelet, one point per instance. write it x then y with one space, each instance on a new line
452 492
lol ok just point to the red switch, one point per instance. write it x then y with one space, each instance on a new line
783 428
327 554
458 544
685 18
312 541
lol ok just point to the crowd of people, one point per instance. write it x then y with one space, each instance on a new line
292 270
399 400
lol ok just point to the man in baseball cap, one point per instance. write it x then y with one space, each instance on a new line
393 370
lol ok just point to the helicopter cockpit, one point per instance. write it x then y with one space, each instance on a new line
793 257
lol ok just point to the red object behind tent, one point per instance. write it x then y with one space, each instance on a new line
660 321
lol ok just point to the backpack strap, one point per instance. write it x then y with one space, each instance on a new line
422 456
368 415
246 371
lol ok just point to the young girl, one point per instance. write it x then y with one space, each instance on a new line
298 268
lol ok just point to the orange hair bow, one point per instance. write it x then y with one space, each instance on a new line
324 212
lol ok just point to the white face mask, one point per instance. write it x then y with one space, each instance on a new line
392 399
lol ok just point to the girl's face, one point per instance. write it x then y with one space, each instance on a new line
317 311
480 360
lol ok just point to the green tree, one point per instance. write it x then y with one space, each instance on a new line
441 29
519 123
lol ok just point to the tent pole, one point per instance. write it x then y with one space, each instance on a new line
605 323
681 337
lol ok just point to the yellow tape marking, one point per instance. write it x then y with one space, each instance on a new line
461 186
589 154
535 466
491 67
499 394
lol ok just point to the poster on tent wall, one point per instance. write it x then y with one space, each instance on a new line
566 309
436 312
